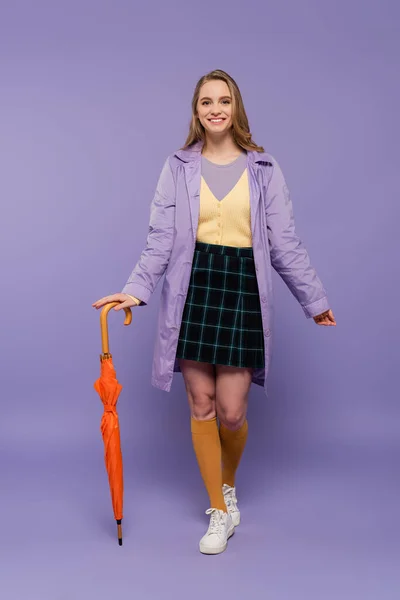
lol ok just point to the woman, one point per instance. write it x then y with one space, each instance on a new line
220 219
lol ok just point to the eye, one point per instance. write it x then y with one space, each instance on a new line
226 101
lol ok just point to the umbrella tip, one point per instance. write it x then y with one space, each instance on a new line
119 531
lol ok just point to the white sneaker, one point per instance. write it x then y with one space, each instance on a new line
219 531
231 503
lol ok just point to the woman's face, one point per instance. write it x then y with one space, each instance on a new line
214 107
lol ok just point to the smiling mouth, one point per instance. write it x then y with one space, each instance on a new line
219 120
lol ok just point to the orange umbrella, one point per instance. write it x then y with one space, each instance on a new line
109 390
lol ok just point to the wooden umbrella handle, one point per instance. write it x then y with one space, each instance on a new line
104 325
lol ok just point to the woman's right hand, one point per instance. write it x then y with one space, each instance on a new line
125 301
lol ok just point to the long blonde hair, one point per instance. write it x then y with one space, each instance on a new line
240 124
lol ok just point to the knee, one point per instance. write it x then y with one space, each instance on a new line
232 420
203 407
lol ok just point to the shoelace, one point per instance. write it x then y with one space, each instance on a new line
216 523
230 498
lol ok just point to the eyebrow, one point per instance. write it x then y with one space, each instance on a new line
207 98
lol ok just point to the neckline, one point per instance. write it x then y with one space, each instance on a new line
222 166
204 182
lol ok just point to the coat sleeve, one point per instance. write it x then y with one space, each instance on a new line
154 258
289 256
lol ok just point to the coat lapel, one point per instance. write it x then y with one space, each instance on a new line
193 179
255 190
191 159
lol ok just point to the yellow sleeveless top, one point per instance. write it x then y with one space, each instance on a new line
227 221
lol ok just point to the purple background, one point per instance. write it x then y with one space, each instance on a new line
94 96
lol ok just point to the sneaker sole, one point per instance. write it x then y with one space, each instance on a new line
206 550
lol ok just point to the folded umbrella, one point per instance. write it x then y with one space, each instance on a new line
109 389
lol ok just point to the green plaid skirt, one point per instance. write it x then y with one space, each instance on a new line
221 321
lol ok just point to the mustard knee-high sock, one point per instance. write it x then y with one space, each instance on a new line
232 446
207 447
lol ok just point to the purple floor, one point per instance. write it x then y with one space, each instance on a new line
312 527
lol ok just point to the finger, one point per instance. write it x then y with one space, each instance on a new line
102 302
121 306
96 304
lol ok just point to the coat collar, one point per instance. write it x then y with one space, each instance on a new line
193 153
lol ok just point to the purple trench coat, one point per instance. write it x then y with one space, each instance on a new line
170 246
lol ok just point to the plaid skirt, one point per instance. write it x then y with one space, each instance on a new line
221 321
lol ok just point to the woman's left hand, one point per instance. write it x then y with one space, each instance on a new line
325 318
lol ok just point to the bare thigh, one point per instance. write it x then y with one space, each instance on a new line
232 390
199 381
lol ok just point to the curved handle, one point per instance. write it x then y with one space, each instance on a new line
104 326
